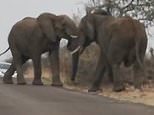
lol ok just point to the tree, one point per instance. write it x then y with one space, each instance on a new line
142 10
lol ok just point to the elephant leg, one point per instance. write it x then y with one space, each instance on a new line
8 74
37 70
110 74
99 73
19 60
138 76
75 62
115 57
118 78
54 60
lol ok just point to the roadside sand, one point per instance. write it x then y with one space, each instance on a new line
130 95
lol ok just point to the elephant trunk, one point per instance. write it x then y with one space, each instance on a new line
75 61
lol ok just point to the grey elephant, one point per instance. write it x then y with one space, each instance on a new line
31 37
121 41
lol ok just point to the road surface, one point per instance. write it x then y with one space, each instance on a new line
47 100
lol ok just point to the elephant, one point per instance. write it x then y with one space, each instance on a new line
31 37
121 40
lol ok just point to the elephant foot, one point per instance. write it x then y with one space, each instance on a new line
57 84
139 88
119 88
73 79
21 82
94 89
7 80
37 82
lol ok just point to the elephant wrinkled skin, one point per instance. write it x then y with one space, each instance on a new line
121 40
31 37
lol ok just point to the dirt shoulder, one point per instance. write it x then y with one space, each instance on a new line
130 94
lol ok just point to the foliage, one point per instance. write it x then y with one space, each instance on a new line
139 9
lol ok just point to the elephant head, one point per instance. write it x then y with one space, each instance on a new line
65 27
87 28
68 30
87 34
57 27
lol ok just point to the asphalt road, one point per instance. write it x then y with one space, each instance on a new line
47 100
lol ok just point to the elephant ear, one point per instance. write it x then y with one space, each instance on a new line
64 21
59 22
47 25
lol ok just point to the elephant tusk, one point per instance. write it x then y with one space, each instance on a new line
93 11
73 36
74 51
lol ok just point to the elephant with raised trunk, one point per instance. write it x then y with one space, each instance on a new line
121 40
31 37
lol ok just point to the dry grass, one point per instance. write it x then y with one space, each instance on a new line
145 97
85 77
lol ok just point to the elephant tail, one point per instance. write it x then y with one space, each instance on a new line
138 57
141 42
138 41
5 51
